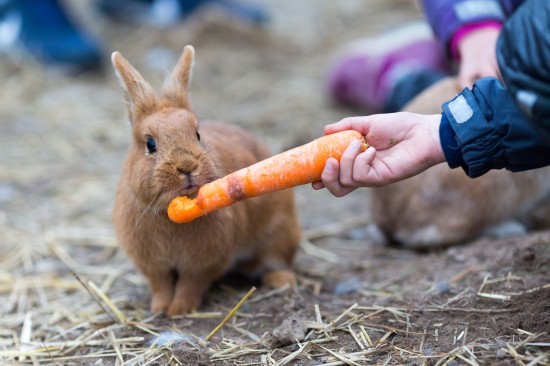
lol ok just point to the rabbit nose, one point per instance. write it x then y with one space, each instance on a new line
185 171
186 166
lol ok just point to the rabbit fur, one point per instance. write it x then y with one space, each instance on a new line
171 154
443 206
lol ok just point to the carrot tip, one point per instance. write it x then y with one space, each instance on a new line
183 209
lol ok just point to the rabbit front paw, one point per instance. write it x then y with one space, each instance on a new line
277 279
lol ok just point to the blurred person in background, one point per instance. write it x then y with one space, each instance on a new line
47 31
381 74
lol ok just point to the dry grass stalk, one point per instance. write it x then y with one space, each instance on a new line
204 315
270 293
318 316
333 323
494 296
231 313
114 344
514 354
459 276
355 337
247 333
384 338
540 360
293 355
110 304
467 360
356 356
47 281
335 228
366 336
505 296
340 357
324 340
62 254
26 332
94 295
236 351
318 252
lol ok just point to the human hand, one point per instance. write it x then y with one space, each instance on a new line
478 56
401 145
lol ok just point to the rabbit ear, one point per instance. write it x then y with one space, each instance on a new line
140 96
176 87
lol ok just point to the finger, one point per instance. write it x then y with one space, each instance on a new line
330 180
317 185
360 124
347 162
362 167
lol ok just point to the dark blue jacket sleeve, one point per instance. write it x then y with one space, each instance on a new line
483 129
446 17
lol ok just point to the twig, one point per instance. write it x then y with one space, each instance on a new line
120 317
231 313
93 295
318 252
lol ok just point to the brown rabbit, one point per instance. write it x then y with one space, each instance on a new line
444 206
172 154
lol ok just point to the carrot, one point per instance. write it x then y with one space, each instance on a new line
301 165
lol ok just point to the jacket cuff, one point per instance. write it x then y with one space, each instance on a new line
453 153
477 139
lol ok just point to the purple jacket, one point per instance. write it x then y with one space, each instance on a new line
446 17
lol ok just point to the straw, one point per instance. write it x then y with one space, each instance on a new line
230 314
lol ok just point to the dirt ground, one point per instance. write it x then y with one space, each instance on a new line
69 296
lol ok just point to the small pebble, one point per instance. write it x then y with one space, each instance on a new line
170 337
456 255
7 192
349 286
442 287
370 232
291 330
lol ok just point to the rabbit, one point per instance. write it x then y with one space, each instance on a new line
443 206
171 154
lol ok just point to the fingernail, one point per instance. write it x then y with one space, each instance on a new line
355 144
329 168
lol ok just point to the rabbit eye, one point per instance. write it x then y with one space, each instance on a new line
198 136
151 145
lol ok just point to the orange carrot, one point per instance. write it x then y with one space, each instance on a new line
301 165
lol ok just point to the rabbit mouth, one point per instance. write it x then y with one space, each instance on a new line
189 191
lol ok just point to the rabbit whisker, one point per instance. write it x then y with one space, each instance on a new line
152 203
